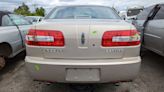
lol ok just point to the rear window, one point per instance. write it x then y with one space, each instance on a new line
134 12
82 12
19 20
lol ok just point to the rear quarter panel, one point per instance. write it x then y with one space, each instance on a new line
10 35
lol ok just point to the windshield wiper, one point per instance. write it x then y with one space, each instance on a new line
83 17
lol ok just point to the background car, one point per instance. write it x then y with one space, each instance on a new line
34 19
83 44
13 29
131 12
150 23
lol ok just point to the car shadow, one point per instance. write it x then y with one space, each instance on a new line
152 59
12 64
59 87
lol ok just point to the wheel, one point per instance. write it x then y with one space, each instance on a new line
2 62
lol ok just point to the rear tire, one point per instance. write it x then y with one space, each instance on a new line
2 62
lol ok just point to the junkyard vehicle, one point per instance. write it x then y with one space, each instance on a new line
131 12
34 19
150 23
83 44
13 29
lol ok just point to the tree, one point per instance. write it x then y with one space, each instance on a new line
40 11
23 10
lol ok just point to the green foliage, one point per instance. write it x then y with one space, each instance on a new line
40 11
24 10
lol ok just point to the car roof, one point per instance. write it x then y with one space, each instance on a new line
2 13
81 5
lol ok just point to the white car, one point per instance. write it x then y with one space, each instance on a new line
131 13
13 29
34 19
83 44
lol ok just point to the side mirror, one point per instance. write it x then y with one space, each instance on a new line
40 20
134 18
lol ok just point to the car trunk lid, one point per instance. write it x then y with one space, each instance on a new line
83 39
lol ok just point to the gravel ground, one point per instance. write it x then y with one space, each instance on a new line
14 78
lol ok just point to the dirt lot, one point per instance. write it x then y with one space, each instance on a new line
14 78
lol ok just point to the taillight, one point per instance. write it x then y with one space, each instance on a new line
45 38
121 38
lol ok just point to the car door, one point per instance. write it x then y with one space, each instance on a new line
140 21
10 34
22 24
141 18
154 32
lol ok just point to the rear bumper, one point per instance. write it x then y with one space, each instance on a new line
111 70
